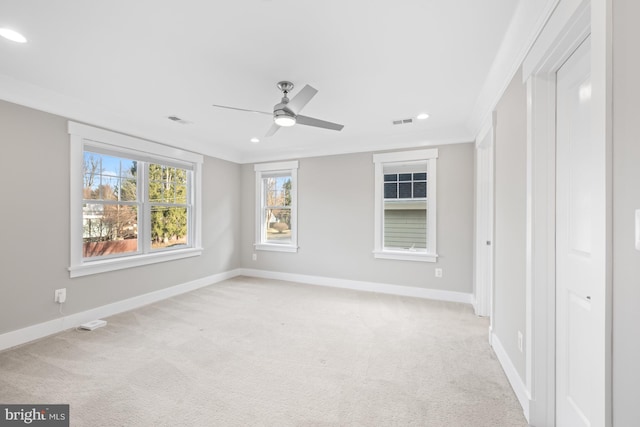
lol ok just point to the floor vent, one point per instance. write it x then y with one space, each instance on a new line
94 324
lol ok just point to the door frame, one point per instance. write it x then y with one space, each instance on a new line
569 25
483 269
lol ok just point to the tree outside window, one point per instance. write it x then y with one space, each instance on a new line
276 207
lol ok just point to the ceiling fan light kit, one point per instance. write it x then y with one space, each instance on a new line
281 118
285 113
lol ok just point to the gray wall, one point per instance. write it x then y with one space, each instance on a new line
510 221
335 223
34 254
626 199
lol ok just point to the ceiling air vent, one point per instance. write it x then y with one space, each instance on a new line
402 122
178 120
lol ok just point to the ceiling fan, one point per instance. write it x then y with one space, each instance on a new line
285 113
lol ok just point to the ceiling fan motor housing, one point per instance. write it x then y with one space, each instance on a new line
282 116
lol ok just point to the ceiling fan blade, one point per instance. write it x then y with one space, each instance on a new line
241 109
273 129
310 121
298 102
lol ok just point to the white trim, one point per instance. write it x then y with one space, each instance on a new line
488 126
126 142
383 288
458 135
39 98
291 168
405 255
197 201
512 375
82 135
406 156
540 250
41 330
527 22
277 166
379 160
112 264
484 200
573 21
275 247
570 21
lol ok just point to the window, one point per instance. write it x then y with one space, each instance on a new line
133 202
405 200
276 206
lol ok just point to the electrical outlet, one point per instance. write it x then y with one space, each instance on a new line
438 272
520 341
60 295
255 257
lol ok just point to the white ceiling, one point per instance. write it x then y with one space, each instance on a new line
127 65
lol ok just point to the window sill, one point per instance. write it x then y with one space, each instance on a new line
103 266
406 256
275 247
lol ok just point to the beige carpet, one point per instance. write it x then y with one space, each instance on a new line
253 352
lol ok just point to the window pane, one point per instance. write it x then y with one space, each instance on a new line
181 194
391 177
277 225
404 177
277 191
109 178
420 189
109 229
404 190
167 184
422 176
390 190
168 226
404 227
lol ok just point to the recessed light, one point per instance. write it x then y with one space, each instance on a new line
14 36
422 116
255 140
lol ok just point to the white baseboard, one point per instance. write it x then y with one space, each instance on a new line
40 330
383 288
518 386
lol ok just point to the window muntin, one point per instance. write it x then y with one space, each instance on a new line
405 208
405 205
276 191
276 210
112 203
123 186
405 185
168 199
110 206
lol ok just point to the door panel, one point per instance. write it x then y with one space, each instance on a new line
576 342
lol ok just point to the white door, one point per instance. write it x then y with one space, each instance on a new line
579 347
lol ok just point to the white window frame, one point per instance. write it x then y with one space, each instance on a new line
289 168
379 160
82 136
